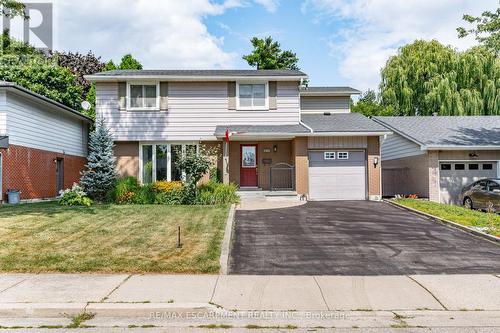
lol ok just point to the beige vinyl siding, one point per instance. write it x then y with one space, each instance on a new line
39 126
321 104
337 142
194 110
396 146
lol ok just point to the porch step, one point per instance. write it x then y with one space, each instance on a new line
268 195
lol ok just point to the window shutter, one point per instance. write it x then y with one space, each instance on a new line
231 95
122 96
272 95
163 96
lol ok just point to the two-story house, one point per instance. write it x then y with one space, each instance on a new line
273 133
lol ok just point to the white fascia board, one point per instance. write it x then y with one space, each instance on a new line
317 93
453 147
345 133
116 78
293 135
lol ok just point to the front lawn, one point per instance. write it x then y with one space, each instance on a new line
489 223
46 237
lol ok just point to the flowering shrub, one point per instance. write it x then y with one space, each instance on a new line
124 190
412 196
164 186
74 196
125 198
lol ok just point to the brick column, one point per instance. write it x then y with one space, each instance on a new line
301 158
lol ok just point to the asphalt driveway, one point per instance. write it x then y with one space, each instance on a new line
353 238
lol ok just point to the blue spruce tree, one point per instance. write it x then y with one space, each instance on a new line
99 176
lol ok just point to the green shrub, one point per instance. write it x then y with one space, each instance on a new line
214 174
172 197
144 195
75 196
214 193
124 190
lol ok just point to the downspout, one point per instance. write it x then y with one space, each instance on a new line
309 128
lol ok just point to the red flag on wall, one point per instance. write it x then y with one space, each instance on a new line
227 135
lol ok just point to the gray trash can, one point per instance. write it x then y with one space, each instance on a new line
14 196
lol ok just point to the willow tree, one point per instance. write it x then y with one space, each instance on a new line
426 77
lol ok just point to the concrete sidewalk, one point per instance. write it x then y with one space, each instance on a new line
303 301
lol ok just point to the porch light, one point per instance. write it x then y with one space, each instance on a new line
275 148
375 161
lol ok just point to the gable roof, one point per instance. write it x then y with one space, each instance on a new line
328 91
198 74
42 99
447 132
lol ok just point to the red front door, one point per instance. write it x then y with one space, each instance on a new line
248 165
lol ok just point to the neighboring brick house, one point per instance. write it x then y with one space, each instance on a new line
43 144
435 157
281 134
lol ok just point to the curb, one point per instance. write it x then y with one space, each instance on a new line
449 223
226 242
40 310
67 310
145 310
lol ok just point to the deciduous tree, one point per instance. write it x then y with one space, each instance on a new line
369 105
486 30
267 54
426 77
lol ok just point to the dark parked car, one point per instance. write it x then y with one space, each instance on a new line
482 194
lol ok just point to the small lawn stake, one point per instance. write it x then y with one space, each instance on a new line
179 245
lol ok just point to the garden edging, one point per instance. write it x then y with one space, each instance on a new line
226 242
440 220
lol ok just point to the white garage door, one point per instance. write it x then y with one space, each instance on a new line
337 175
453 176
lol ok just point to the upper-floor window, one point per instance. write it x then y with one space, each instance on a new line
143 96
253 96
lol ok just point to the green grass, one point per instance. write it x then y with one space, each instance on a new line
46 237
457 214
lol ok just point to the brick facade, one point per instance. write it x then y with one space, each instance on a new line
33 171
374 171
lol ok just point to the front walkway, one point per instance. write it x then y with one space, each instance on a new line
303 301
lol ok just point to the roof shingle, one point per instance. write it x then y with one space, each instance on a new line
342 122
447 130
201 72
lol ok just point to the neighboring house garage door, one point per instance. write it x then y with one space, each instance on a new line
453 176
337 175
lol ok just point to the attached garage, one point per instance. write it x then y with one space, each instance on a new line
337 175
454 175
